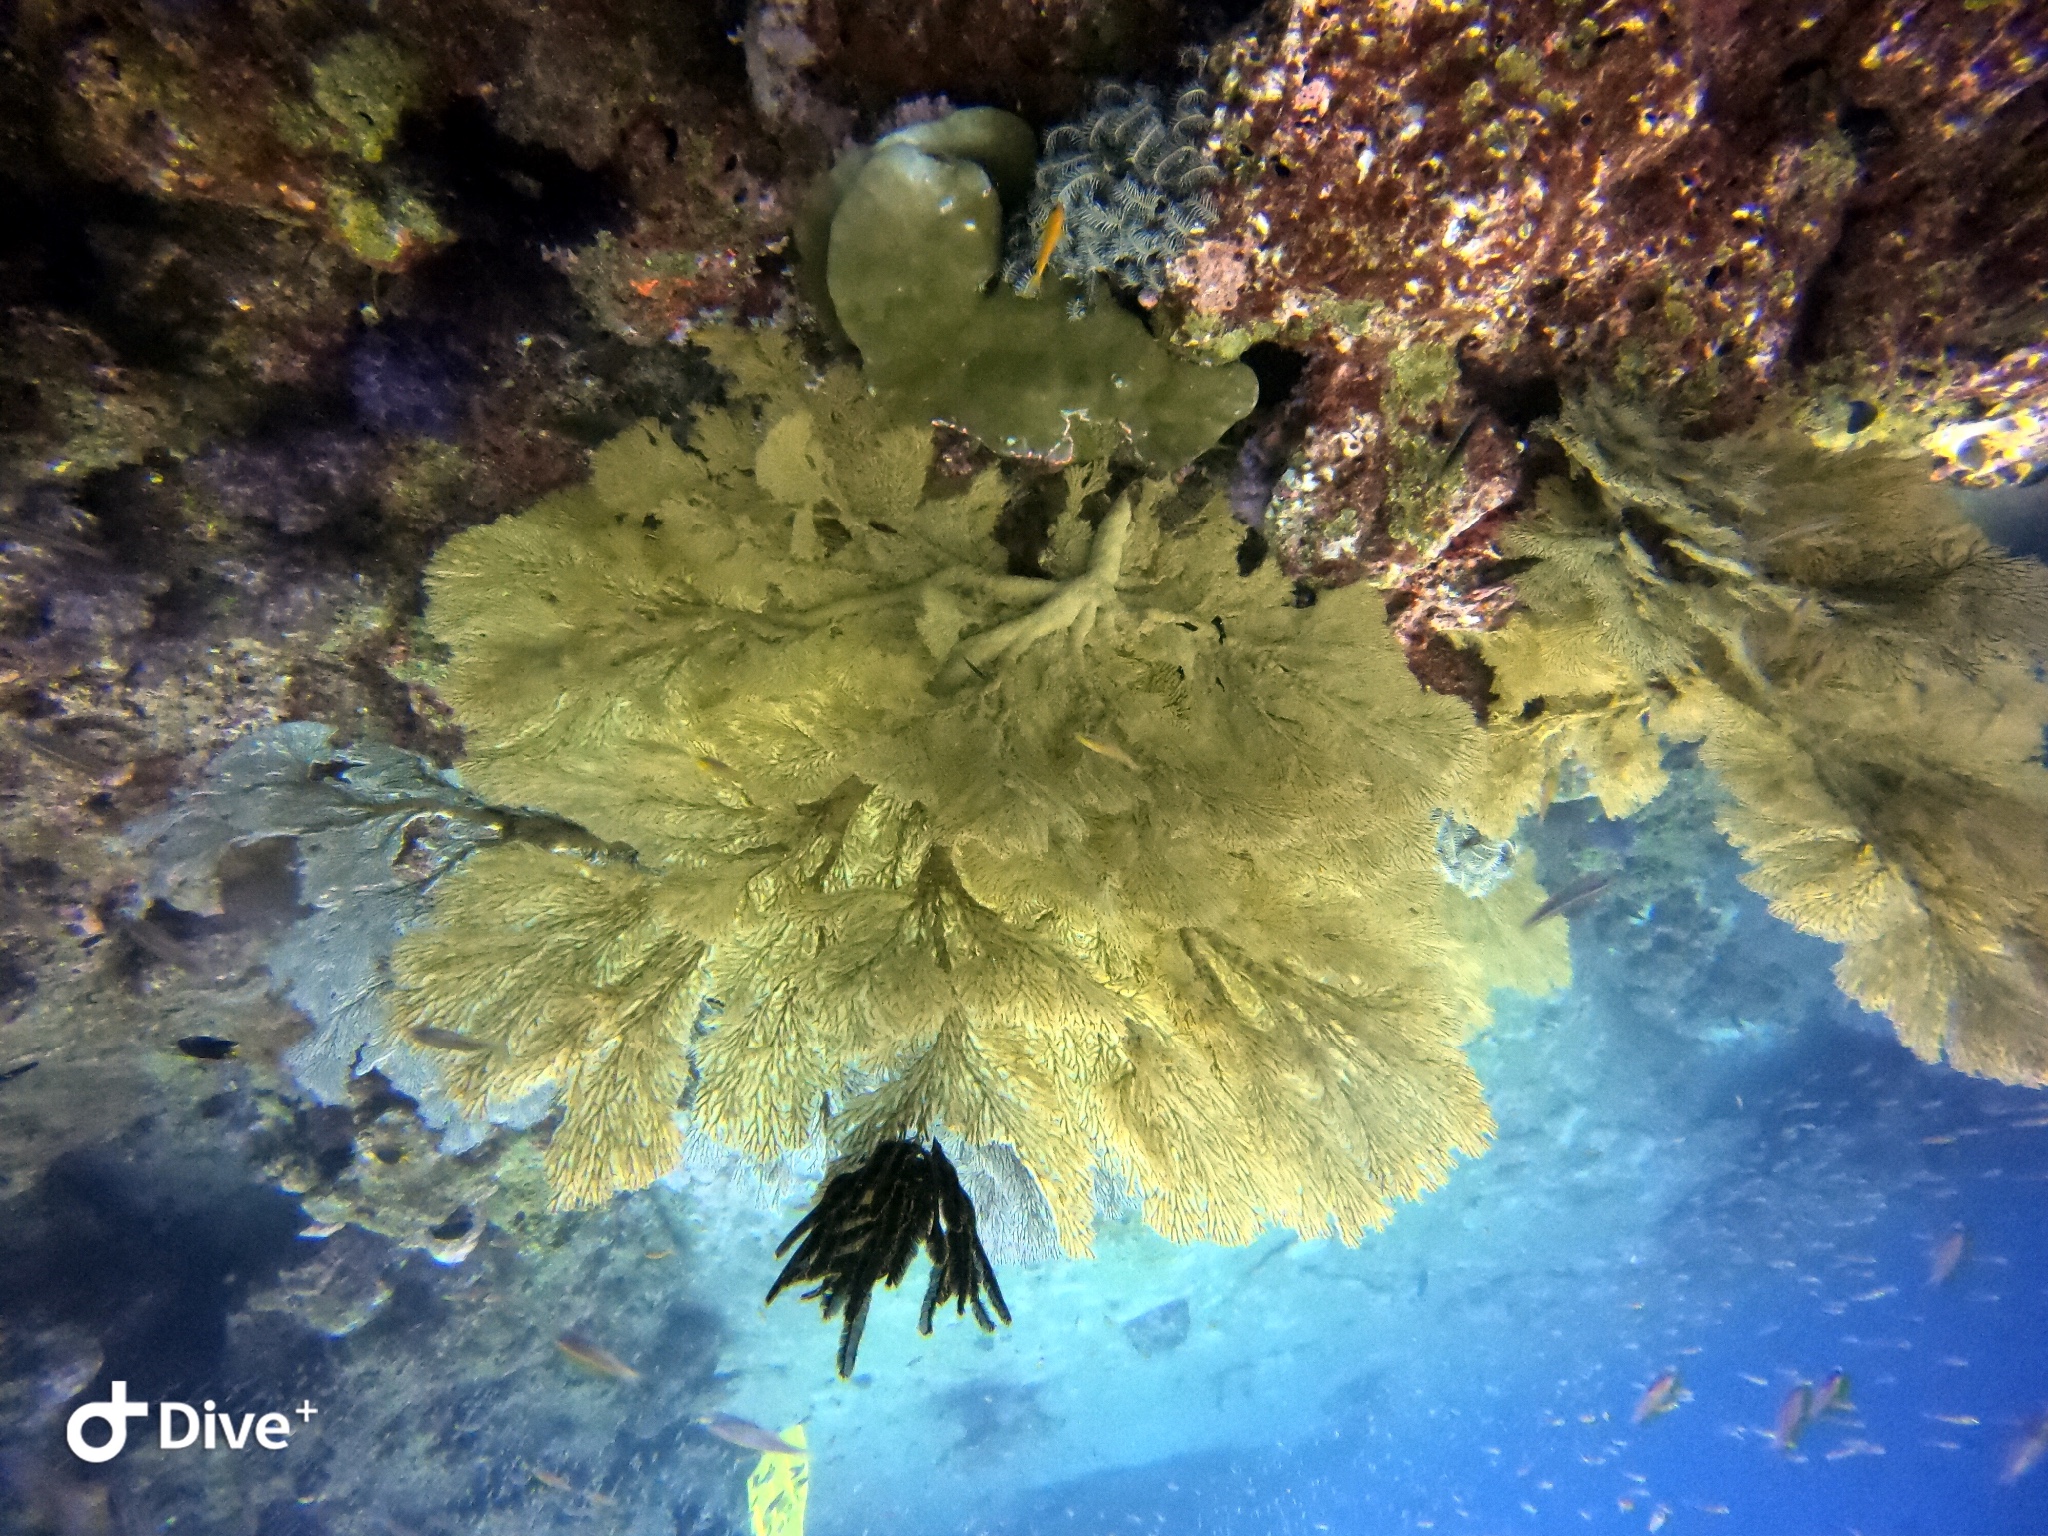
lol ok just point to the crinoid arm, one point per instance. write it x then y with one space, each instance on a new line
866 1227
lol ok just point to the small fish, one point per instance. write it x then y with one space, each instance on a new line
207 1047
13 1072
1110 750
66 1380
1055 226
1658 1516
1794 1415
594 1357
436 1038
1832 1395
64 756
1661 1396
2019 1461
748 1436
1877 1295
152 940
1754 1381
1713 1509
658 1253
1948 1256
1965 1419
554 1480
1850 1448
717 768
321 1230
1568 900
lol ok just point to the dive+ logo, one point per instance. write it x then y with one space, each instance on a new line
179 1425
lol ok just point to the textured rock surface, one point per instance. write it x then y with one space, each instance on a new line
1708 204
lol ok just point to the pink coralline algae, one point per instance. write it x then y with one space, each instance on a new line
1538 184
1460 210
1933 307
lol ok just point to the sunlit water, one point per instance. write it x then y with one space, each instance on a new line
1748 1191
1707 1162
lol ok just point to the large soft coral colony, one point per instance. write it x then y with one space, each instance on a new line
1128 866
1861 669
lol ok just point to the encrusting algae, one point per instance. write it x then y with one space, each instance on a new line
886 879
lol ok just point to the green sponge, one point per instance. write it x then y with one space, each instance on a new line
909 236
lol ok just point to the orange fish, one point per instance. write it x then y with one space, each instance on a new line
595 1358
1103 747
1947 1256
1794 1415
1055 226
435 1038
1661 1396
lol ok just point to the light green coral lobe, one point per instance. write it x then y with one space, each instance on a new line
913 242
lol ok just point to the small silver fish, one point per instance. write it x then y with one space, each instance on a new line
748 1435
1947 1256
594 1357
1564 902
439 1039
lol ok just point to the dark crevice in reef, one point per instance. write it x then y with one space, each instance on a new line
1268 437
1520 400
1204 23
150 1256
1278 370
499 193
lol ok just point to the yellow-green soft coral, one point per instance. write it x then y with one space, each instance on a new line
1130 867
1859 667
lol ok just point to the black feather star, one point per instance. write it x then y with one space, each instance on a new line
865 1229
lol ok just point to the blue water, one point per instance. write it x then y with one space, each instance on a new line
1786 1184
1707 1161
1531 1432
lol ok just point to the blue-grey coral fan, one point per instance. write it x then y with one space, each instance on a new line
1133 183
372 829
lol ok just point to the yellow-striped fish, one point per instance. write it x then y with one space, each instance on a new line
1055 226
